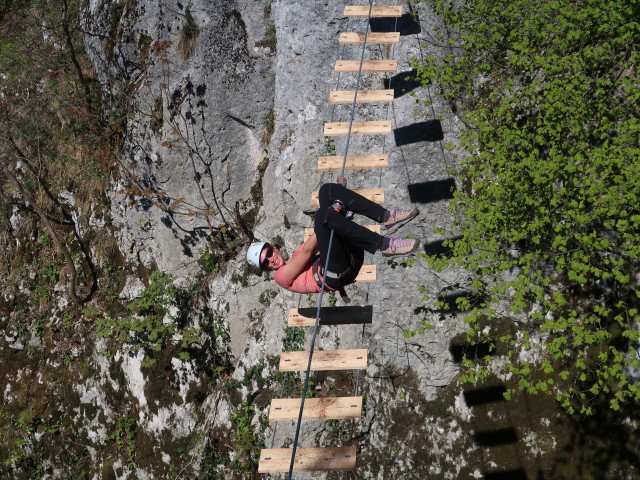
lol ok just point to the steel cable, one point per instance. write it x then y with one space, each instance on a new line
359 372
331 237
290 344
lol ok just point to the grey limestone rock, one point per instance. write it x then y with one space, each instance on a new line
196 135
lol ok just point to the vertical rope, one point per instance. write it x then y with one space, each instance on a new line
308 372
320 297
362 335
285 378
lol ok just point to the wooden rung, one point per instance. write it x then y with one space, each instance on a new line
349 315
367 274
373 38
354 162
274 460
309 231
316 408
368 66
324 360
374 194
364 96
376 127
363 11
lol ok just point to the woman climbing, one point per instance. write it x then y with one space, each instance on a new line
304 271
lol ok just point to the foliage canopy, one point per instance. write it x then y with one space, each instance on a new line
548 218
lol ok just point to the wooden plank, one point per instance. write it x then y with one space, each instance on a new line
354 162
363 11
309 231
374 194
373 38
324 360
364 96
349 315
274 460
367 274
368 66
316 408
376 127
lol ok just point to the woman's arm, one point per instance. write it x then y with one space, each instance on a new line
301 261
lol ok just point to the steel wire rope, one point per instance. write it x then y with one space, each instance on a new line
433 111
331 237
445 163
290 344
368 290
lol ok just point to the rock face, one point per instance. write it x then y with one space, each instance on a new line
255 89
197 121
227 100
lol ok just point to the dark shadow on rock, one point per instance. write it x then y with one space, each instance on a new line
166 220
407 24
480 396
402 83
479 350
451 300
491 438
515 474
600 444
432 191
439 249
340 315
428 131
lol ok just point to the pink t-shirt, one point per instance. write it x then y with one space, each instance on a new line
303 283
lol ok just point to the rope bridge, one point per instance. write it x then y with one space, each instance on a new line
341 458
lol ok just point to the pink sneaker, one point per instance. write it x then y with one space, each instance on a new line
398 218
400 246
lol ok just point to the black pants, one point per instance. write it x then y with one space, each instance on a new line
350 240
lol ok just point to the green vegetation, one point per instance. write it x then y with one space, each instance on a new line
268 125
246 444
150 325
330 145
548 214
266 9
124 438
56 153
62 273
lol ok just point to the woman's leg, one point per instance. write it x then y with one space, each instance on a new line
330 192
355 236
328 219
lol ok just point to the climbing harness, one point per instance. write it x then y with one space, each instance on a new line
339 207
319 274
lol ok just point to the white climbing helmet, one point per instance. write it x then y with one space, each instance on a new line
253 254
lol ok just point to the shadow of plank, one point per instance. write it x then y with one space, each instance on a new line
347 315
481 396
478 350
428 131
431 191
491 438
515 474
451 301
402 83
407 24
437 248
